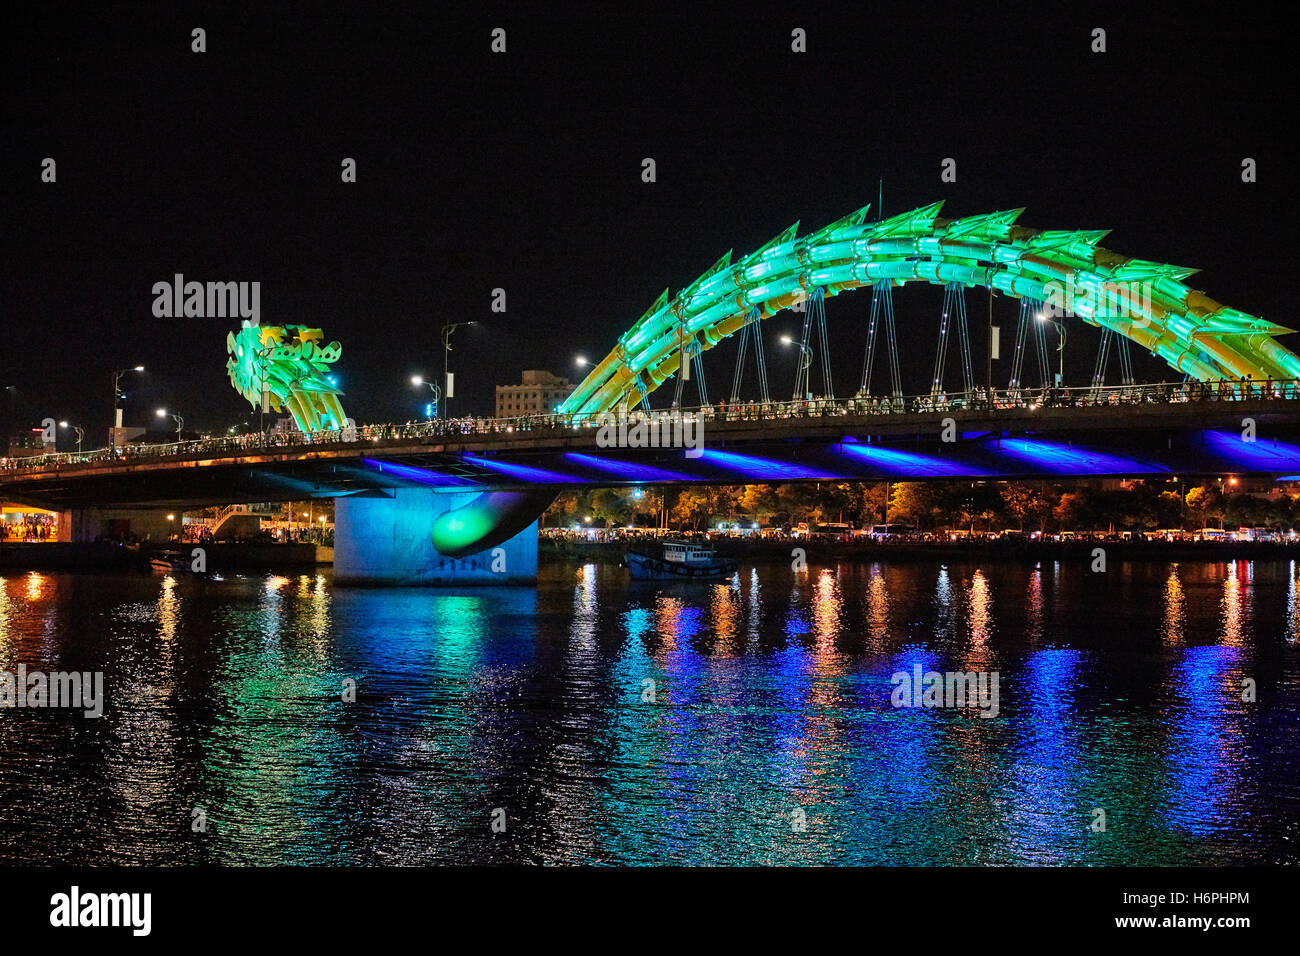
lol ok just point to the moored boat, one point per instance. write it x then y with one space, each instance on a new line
170 562
679 561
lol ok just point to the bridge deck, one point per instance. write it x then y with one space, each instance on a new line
1132 439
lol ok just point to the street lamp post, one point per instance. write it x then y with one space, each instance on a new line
81 433
9 409
417 381
266 394
117 402
805 363
180 422
447 329
1060 330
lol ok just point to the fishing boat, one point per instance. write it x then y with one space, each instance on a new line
679 561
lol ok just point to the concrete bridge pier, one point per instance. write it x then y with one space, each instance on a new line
393 537
83 525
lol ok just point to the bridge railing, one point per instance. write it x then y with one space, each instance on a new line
1163 393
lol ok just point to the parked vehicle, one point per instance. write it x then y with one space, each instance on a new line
881 531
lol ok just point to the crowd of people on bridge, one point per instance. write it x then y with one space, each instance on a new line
978 397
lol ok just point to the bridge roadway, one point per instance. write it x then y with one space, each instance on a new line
1187 438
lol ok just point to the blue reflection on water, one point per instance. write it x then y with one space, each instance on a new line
622 723
908 736
1044 783
1204 740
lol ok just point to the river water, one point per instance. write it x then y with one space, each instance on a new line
593 720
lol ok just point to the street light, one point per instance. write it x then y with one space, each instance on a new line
804 365
265 403
180 422
1060 330
81 433
9 405
580 361
447 329
117 400
417 381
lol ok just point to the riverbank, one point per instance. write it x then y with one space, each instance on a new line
820 551
65 556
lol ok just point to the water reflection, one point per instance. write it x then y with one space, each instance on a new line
945 612
1034 606
981 617
1045 822
1174 610
1206 741
1292 605
827 607
877 610
1236 602
6 615
725 614
619 722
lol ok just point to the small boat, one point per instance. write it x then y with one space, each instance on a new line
169 562
679 561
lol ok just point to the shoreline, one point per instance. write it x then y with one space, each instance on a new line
821 552
100 556
64 556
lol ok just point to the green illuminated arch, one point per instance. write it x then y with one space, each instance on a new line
1149 304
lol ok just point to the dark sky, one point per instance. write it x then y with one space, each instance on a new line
522 171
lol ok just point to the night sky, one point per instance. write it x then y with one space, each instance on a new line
523 171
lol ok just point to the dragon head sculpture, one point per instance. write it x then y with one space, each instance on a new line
291 365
